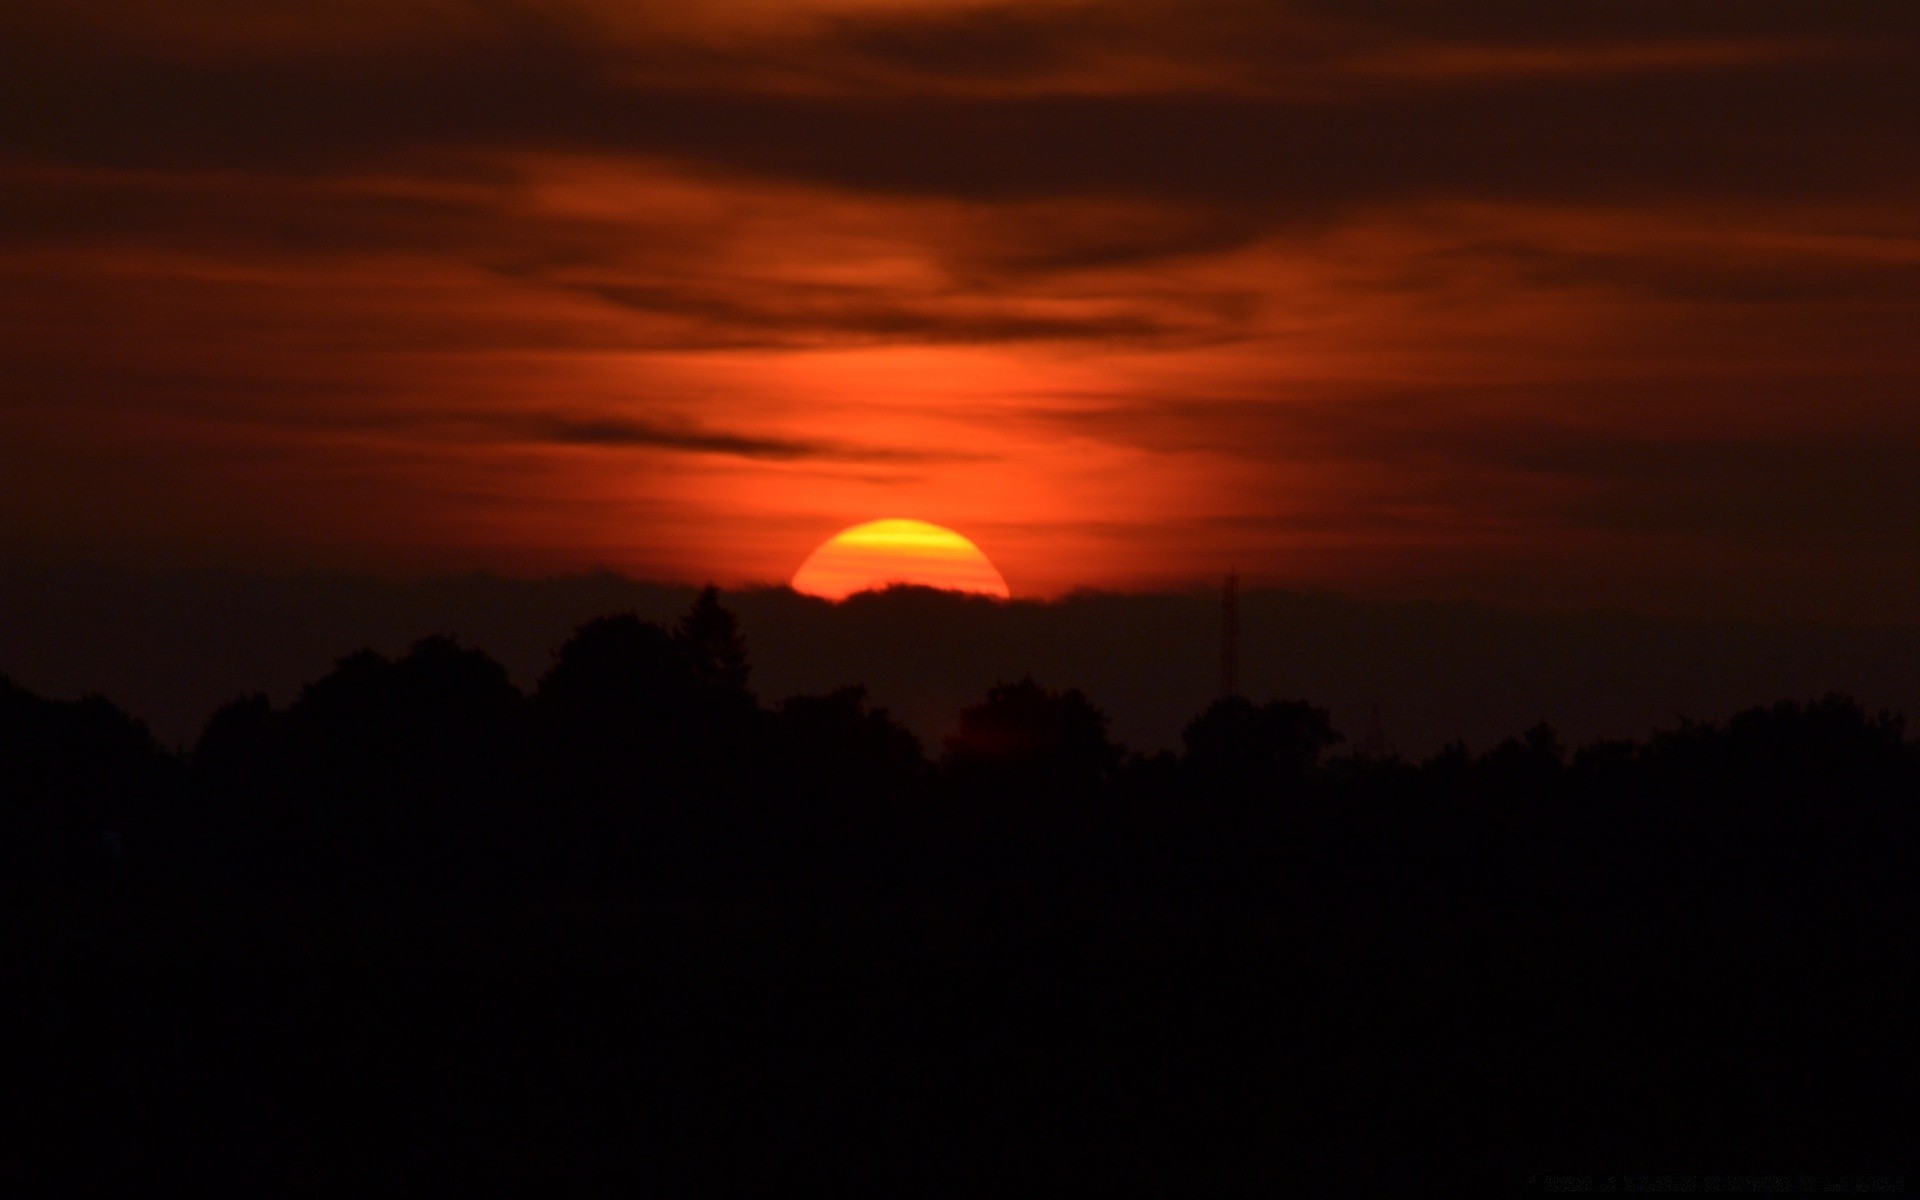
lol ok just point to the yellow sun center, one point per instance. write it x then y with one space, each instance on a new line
882 553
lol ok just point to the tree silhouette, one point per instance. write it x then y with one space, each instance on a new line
711 634
651 746
1039 737
415 899
387 769
1528 766
840 744
621 669
75 778
1241 748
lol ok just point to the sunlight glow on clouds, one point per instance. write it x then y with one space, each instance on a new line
1515 303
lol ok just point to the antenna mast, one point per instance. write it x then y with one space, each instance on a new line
1230 636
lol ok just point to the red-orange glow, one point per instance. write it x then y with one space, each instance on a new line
1523 308
883 553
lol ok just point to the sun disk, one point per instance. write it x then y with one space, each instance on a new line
880 554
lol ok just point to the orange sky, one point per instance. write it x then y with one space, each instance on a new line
1543 307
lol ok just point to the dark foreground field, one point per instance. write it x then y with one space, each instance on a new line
420 930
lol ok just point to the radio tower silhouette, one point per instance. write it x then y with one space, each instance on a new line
1230 637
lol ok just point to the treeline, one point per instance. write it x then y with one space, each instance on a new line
637 925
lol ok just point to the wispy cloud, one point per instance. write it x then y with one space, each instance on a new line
618 433
1332 290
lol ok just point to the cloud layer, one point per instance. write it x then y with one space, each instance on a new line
1497 300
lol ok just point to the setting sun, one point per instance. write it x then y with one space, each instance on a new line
879 554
